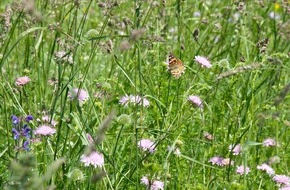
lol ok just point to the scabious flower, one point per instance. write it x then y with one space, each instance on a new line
216 160
242 170
195 100
44 130
236 150
267 168
94 158
79 94
282 180
21 81
153 185
269 142
136 100
147 145
204 62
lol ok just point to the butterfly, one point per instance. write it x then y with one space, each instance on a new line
175 66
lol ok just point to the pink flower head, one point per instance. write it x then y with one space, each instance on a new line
47 119
236 150
282 179
242 170
44 130
21 81
227 162
79 94
269 142
204 62
147 145
217 160
94 158
285 188
136 100
267 168
208 136
145 180
155 185
195 100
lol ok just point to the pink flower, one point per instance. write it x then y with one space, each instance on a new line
79 94
227 162
195 100
242 170
21 81
217 160
155 185
136 100
282 179
90 139
47 119
269 142
44 130
208 136
94 158
147 145
285 188
236 150
267 168
175 150
204 62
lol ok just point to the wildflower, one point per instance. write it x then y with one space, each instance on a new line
90 139
175 150
44 130
217 160
285 188
196 14
154 185
236 150
15 120
227 162
274 16
21 81
94 158
269 142
208 136
16 134
267 168
26 146
282 179
136 100
242 170
49 120
147 145
204 62
79 94
195 100
29 118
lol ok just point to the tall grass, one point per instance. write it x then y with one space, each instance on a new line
112 49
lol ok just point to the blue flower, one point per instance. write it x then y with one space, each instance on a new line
29 118
16 134
26 146
25 131
15 120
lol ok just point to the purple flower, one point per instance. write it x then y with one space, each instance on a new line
15 120
242 170
26 146
227 162
236 150
25 131
21 81
16 134
147 145
282 179
47 119
136 100
269 142
79 94
94 158
154 185
267 168
204 62
216 160
44 130
208 136
29 118
195 100
285 188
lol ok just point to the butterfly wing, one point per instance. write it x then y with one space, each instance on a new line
176 66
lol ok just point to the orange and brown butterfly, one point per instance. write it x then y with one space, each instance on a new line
175 66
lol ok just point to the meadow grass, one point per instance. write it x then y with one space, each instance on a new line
116 52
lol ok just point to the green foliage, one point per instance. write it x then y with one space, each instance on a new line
112 49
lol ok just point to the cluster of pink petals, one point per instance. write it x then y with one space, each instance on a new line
220 161
155 185
269 142
94 158
46 119
203 61
21 81
79 94
44 130
236 150
136 100
242 170
195 100
282 180
147 145
266 168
